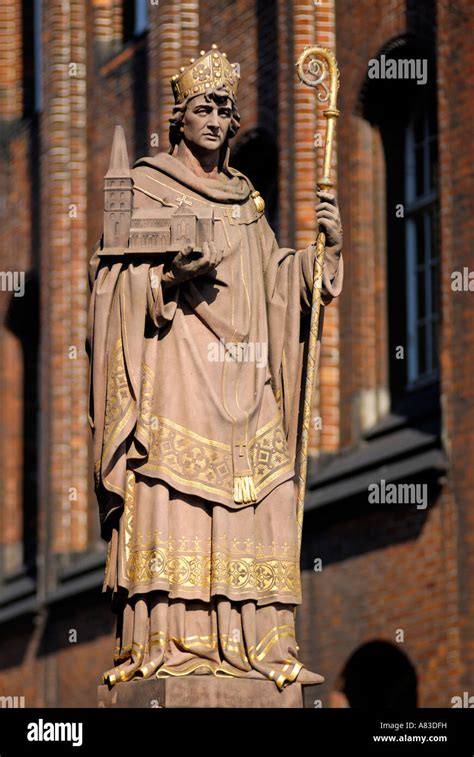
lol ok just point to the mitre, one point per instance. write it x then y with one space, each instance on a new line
210 71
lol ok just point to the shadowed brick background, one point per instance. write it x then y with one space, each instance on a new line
390 617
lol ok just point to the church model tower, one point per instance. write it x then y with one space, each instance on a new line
118 199
161 229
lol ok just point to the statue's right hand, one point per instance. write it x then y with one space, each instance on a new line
188 263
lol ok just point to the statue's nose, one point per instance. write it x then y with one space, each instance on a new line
213 119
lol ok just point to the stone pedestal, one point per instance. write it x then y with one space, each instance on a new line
199 691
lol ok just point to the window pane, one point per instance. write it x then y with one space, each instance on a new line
419 128
434 278
420 293
433 220
421 349
419 187
422 244
433 168
420 239
141 16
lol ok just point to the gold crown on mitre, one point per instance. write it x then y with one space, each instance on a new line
210 71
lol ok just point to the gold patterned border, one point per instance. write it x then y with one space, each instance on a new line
283 674
256 652
118 407
188 458
259 570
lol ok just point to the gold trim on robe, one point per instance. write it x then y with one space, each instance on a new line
246 569
184 457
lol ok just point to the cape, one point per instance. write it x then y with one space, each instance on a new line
173 392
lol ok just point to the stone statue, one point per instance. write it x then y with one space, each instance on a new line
195 341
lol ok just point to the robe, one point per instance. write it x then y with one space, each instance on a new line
194 399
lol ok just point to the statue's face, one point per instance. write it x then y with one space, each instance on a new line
206 123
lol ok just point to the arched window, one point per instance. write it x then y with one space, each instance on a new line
256 156
31 63
21 342
141 16
422 249
403 109
378 676
135 18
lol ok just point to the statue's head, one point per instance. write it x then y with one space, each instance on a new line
205 112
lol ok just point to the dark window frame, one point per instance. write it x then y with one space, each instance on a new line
422 230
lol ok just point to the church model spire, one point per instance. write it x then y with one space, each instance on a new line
117 194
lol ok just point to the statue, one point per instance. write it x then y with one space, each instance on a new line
196 331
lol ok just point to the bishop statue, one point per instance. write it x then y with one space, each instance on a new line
196 343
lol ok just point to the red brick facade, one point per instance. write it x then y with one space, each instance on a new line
394 575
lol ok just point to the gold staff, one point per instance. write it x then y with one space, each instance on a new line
316 67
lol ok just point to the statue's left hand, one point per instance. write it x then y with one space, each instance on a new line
329 220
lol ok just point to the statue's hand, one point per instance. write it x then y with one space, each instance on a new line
188 263
327 214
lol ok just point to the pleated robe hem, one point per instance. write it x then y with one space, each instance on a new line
218 630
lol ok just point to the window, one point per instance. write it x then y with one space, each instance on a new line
256 156
141 16
405 115
378 675
135 18
422 249
31 52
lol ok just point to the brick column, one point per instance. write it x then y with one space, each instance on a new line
11 68
108 20
173 38
327 395
11 446
64 431
364 382
299 24
455 114
13 251
367 251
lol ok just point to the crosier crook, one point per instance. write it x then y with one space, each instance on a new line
314 66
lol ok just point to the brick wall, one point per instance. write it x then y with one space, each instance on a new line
455 113
46 666
385 572
361 34
64 464
11 69
381 571
393 570
17 256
